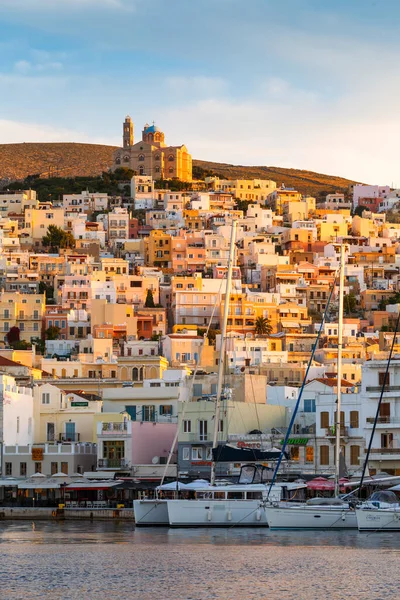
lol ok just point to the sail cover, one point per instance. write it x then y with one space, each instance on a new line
228 453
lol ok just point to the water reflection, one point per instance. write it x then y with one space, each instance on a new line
84 560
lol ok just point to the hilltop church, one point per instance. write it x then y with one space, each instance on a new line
151 156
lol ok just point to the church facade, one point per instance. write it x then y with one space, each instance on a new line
151 156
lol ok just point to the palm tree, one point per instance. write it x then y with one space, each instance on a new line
263 326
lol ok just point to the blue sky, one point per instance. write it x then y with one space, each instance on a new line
310 84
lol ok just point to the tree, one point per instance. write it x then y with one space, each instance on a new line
57 238
149 300
359 210
47 289
52 333
349 303
263 326
39 344
13 335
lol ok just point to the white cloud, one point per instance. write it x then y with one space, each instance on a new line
13 132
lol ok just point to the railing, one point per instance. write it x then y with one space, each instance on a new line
382 420
69 437
378 388
384 450
114 429
331 431
199 437
112 463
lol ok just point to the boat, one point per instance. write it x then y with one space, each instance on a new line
318 513
381 512
231 504
219 505
382 509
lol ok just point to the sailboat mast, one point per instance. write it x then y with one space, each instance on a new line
222 357
339 372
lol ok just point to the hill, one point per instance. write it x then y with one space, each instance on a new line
17 161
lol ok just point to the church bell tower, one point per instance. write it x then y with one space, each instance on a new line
127 136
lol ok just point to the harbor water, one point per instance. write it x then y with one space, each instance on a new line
77 560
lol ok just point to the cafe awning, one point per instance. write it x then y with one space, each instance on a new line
91 485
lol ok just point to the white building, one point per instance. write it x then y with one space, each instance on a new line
16 413
85 202
369 191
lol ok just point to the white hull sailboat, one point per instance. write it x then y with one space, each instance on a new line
151 512
320 513
312 517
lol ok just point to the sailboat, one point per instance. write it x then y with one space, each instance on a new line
219 505
319 513
381 512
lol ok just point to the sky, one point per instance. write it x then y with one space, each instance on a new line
309 84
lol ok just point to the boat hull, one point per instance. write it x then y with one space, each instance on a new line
216 513
378 519
309 517
151 513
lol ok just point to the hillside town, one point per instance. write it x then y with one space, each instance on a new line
110 326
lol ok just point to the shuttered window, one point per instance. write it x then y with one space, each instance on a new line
324 420
324 455
354 419
355 455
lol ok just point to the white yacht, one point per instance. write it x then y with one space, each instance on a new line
239 505
381 512
152 512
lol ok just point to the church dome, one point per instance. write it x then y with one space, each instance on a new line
151 128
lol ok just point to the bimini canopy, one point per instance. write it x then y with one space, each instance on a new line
228 453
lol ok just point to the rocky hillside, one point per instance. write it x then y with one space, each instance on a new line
17 161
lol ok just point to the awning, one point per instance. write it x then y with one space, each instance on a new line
320 484
91 485
39 485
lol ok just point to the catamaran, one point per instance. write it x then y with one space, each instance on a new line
318 513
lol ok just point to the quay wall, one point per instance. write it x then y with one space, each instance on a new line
54 514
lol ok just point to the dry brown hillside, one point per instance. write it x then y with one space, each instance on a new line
17 161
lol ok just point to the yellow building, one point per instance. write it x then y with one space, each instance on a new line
116 314
151 156
158 249
244 189
38 220
24 311
63 415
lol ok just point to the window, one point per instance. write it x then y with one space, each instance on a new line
341 418
355 455
17 424
149 413
113 449
38 467
309 454
324 420
187 426
197 453
8 468
324 455
46 398
221 425
381 378
354 421
202 430
186 453
54 468
50 432
64 468
166 410
309 406
295 453
22 469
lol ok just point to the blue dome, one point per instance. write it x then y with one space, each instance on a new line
151 129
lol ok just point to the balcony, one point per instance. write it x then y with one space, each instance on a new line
114 429
395 421
378 388
199 437
112 463
69 437
331 433
384 453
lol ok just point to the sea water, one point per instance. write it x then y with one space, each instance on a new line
81 560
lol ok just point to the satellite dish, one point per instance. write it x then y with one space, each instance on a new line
155 460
